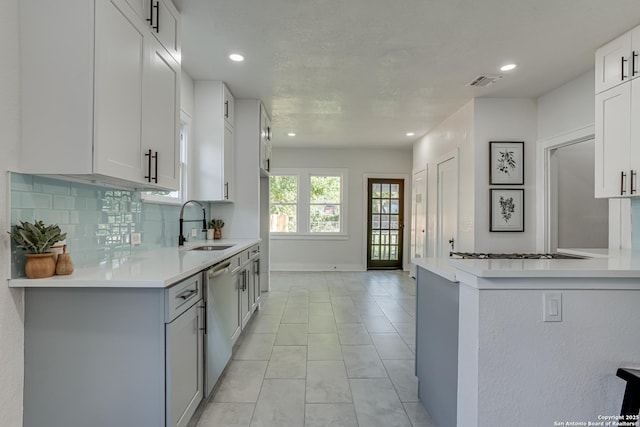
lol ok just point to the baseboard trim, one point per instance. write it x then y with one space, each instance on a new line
317 267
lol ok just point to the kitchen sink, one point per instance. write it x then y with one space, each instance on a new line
211 248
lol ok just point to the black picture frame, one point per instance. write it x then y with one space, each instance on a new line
506 162
506 210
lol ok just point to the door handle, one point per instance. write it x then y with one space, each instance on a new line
451 242
622 62
623 190
633 181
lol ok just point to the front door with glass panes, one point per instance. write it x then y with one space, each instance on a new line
385 223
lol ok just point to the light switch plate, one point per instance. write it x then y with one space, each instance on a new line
552 306
194 232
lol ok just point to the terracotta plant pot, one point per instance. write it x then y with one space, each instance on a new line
64 265
40 265
217 233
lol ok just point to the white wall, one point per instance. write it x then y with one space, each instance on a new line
11 300
187 97
342 254
456 132
568 107
536 372
504 120
469 130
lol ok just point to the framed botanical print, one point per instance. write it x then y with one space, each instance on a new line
507 209
506 163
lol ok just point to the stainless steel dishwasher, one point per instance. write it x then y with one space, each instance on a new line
221 302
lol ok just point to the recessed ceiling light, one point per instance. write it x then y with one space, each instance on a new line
508 67
291 134
236 57
410 133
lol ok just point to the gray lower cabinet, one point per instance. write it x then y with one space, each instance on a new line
105 357
184 359
437 346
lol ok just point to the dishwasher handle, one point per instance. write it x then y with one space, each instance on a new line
219 270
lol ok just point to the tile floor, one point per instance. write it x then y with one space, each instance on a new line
326 349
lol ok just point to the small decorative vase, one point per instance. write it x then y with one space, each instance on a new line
210 234
217 233
64 265
40 265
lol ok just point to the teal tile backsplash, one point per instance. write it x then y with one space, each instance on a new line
98 220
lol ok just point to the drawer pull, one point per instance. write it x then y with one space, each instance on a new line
188 294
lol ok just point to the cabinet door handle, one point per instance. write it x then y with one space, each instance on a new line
226 191
257 264
622 62
155 178
622 186
226 109
150 18
634 55
268 165
204 318
633 181
148 155
157 8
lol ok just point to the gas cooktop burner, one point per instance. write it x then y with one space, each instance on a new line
480 255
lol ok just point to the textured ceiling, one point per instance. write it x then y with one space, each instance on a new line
362 73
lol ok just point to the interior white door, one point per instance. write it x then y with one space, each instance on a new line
419 214
447 209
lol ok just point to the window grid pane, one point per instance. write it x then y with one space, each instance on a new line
325 195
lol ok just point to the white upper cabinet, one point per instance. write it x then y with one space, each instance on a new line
617 61
213 178
109 116
161 116
162 18
228 106
265 142
612 141
617 121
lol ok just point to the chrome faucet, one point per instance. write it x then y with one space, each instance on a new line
181 238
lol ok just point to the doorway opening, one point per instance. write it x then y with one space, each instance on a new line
577 218
385 223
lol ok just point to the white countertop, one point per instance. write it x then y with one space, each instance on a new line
439 266
603 263
152 269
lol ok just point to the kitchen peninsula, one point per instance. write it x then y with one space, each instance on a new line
526 342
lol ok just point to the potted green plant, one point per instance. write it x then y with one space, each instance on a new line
217 225
37 239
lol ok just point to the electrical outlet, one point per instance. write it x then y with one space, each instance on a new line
194 232
135 238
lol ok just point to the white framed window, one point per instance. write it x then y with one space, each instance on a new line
175 197
308 203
